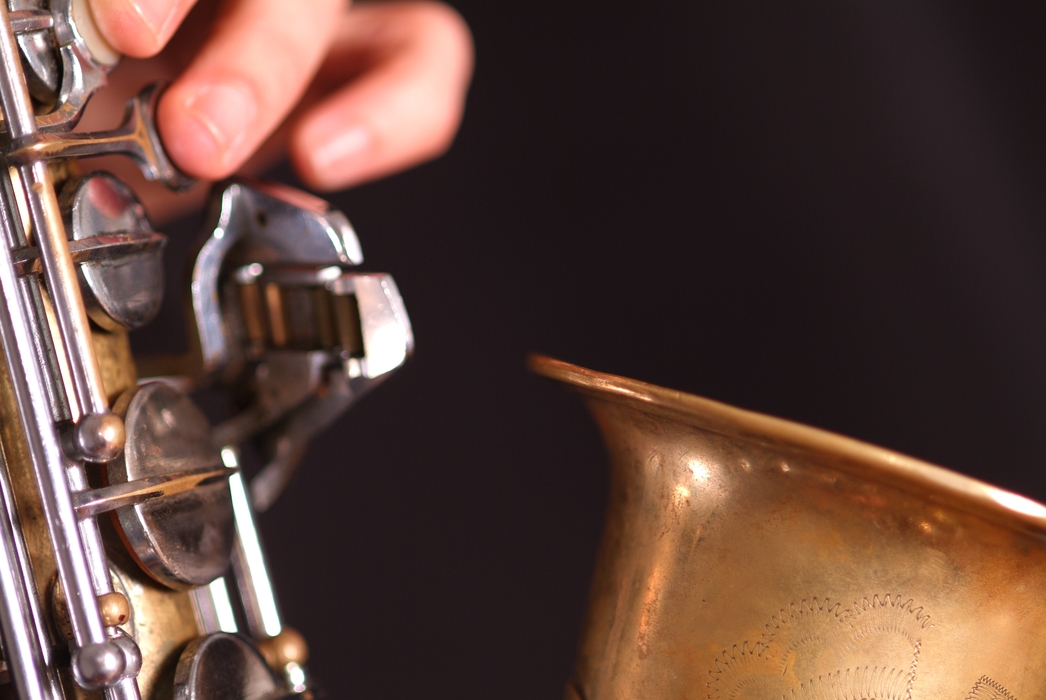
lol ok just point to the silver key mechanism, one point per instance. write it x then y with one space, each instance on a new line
280 316
136 138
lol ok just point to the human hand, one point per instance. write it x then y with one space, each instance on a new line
360 91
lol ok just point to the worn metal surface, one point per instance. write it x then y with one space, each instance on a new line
184 539
249 222
113 560
163 622
750 557
124 289
136 138
224 667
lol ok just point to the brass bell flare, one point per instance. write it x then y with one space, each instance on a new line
749 557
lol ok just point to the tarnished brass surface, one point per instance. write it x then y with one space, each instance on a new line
16 462
115 362
162 620
747 557
114 608
288 647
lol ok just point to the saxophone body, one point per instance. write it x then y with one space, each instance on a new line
748 557
130 564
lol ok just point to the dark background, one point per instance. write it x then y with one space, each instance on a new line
833 213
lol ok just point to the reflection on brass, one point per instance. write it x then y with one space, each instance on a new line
325 326
277 327
114 608
749 558
347 322
115 362
288 647
27 502
208 663
253 316
107 498
164 621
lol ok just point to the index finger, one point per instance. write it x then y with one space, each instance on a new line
252 70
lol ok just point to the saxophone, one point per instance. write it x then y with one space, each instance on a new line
130 564
745 557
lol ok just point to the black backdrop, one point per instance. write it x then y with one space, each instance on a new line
829 213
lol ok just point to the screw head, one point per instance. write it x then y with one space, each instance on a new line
132 654
100 436
98 665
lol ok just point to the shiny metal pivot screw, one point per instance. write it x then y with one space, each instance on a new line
99 437
98 665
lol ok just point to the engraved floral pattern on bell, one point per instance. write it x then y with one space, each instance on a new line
818 649
869 649
987 689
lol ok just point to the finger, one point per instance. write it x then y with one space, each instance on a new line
139 28
403 108
249 74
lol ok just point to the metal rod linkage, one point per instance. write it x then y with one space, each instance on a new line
83 570
248 561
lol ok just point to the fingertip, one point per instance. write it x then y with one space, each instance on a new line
205 127
188 144
243 81
330 154
405 110
446 34
137 28
456 30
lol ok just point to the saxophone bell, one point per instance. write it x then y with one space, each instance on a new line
744 556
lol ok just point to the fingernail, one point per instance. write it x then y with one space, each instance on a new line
225 113
338 156
154 13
